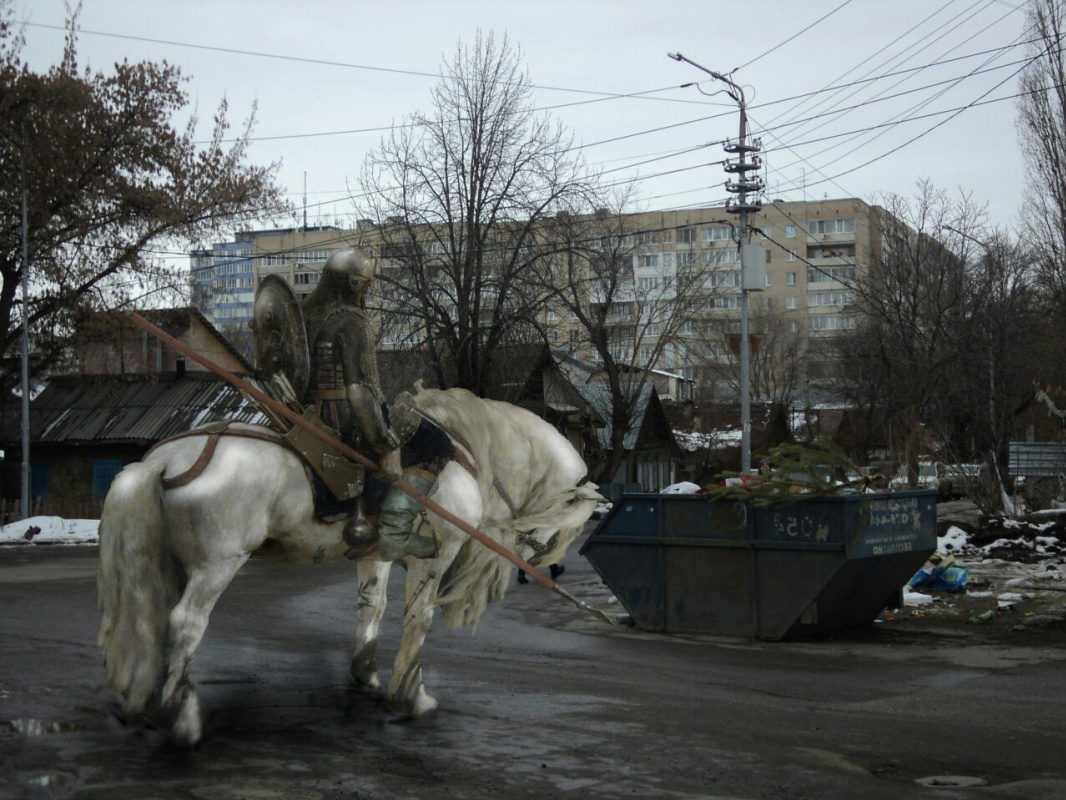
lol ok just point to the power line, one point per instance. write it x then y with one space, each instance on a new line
321 62
791 38
987 61
906 115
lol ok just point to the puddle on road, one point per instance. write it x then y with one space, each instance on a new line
37 727
53 780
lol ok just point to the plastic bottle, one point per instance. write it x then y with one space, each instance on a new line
980 619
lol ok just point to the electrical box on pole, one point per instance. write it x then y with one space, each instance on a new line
752 268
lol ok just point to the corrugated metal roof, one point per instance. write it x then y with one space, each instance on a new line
80 409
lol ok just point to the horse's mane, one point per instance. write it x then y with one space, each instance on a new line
538 470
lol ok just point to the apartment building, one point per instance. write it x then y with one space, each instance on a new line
812 253
224 277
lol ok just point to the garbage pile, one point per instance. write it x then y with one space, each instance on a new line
1017 582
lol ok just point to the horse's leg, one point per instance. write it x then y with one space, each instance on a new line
406 693
373 583
457 491
188 621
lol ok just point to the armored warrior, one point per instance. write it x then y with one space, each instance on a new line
344 386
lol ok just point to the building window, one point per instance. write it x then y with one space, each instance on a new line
830 322
768 256
717 233
793 326
790 303
768 275
686 236
790 255
767 303
722 278
830 274
717 349
765 231
723 256
553 314
648 284
840 297
820 227
790 231
725 302
790 279
840 251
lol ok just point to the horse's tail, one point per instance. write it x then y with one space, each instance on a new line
138 584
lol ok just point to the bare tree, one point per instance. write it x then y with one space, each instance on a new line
628 305
1042 132
912 308
459 195
1005 343
777 360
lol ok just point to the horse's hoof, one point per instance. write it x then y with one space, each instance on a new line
187 729
364 667
367 683
413 707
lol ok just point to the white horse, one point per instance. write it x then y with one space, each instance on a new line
166 555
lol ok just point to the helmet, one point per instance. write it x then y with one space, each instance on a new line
351 264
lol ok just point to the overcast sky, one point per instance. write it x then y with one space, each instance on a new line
330 77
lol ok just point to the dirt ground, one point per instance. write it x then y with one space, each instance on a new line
1017 571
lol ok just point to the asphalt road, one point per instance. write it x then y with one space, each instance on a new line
541 701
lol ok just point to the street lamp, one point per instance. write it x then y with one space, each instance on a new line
751 263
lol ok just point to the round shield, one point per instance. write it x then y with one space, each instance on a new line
280 335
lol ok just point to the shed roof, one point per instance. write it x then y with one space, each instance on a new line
84 409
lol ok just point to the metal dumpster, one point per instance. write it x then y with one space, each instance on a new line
688 564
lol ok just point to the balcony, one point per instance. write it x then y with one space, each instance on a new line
832 261
830 238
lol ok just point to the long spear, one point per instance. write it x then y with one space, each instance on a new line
358 457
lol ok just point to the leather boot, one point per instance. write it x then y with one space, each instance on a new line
396 521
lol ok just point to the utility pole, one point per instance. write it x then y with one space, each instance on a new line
26 472
752 260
